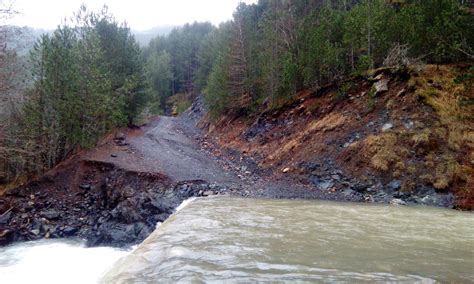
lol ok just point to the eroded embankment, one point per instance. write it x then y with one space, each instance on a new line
97 201
401 136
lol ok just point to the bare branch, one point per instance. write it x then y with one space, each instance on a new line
471 56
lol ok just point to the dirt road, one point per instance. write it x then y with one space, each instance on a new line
116 193
171 147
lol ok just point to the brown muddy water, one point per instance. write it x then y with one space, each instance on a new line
250 240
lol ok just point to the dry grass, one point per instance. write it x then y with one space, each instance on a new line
439 90
18 181
411 170
441 182
400 166
282 102
180 102
408 186
440 132
439 149
382 160
396 174
450 171
327 123
422 138
287 147
385 151
427 178
455 129
399 169
430 161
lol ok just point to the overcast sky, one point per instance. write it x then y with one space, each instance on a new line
139 14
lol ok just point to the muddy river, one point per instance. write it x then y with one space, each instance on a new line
251 240
221 239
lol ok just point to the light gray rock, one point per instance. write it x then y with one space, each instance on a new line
409 124
381 86
397 201
387 126
325 185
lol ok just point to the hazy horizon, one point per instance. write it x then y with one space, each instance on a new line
140 15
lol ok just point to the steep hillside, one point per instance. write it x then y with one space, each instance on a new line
399 136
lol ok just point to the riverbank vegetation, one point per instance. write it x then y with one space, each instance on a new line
85 78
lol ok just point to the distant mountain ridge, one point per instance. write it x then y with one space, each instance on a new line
23 38
144 37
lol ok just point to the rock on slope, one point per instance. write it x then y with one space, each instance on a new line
395 135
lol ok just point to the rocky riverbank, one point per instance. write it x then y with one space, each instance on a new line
95 201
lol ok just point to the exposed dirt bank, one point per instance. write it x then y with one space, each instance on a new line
401 136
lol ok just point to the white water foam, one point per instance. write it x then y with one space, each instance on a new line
185 203
56 261
181 206
60 260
